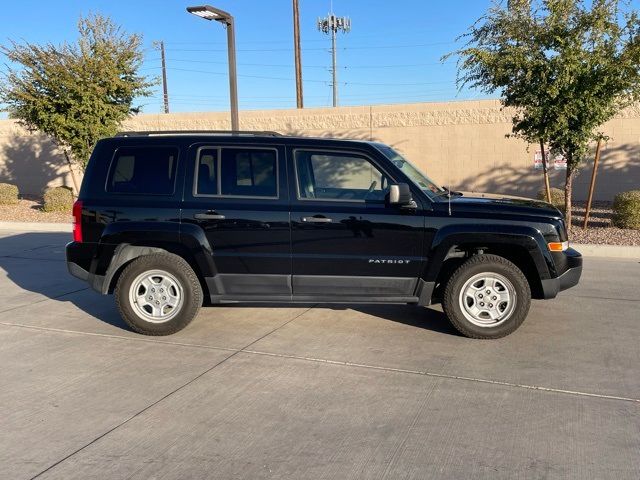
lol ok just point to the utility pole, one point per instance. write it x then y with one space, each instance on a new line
331 25
298 57
165 91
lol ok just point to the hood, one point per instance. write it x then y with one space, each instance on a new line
498 204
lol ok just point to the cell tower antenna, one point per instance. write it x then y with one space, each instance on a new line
331 25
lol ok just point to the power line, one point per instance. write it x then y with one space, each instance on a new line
282 65
264 77
367 47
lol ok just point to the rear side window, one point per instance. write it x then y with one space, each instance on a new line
237 172
143 170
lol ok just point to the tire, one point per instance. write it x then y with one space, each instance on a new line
487 297
174 302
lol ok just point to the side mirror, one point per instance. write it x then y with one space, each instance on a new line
400 194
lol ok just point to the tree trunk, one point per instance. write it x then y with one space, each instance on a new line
567 195
76 188
547 187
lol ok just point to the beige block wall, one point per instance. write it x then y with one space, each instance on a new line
462 144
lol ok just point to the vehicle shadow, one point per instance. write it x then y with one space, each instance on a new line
35 262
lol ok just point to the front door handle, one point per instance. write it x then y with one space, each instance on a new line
211 215
316 220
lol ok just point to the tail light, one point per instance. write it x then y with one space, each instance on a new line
77 221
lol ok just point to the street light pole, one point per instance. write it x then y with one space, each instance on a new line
233 77
210 13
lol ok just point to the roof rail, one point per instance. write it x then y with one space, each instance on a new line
159 133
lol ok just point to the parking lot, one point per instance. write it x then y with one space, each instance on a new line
305 391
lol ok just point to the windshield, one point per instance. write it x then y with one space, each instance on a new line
416 176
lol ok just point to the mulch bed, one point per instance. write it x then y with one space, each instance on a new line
30 210
600 231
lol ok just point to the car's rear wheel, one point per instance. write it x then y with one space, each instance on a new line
487 297
158 294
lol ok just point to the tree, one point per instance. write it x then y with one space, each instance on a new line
565 67
76 93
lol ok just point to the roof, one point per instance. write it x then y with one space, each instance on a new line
242 136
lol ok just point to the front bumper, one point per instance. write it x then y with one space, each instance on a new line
569 267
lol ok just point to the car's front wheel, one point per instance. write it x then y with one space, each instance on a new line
487 297
158 294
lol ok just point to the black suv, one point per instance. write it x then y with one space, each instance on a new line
166 220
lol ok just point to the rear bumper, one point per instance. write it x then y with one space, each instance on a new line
569 265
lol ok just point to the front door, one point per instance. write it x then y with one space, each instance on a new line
347 241
239 198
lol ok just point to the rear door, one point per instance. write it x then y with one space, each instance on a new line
238 196
347 241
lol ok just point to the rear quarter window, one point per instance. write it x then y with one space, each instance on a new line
143 170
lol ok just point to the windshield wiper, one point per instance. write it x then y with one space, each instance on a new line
448 192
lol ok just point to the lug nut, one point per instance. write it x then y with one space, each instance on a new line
488 291
491 305
482 304
153 289
479 295
164 298
494 298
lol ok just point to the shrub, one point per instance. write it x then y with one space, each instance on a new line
626 210
8 194
557 197
58 199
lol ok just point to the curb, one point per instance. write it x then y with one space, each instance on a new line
36 227
587 250
608 251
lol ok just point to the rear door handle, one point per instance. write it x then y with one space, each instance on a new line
316 220
208 216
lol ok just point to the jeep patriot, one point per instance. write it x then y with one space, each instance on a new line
167 220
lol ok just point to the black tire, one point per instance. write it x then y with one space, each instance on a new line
183 275
476 265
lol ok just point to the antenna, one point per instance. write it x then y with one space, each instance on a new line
331 25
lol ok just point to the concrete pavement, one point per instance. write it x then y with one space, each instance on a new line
303 391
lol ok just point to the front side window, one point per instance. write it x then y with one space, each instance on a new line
143 171
237 172
338 176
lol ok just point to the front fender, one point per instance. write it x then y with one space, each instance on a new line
474 235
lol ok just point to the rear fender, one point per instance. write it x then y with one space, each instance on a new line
122 243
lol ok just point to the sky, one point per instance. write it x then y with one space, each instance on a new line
392 54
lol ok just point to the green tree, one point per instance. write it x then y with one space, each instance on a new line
76 93
564 66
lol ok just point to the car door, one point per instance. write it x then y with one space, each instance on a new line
238 197
347 242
